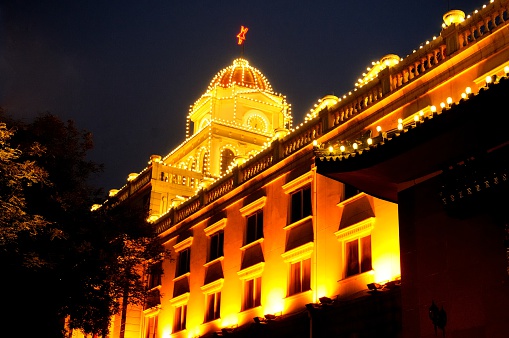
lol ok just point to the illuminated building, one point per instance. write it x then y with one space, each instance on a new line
281 231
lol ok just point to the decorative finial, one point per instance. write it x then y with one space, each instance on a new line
241 38
242 35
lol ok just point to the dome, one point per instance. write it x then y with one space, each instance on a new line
242 74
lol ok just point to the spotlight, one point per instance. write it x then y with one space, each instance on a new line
270 316
259 320
325 300
374 286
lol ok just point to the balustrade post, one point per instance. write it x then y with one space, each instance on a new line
450 33
385 79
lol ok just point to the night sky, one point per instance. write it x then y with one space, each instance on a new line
128 70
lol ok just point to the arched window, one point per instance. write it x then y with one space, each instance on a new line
227 157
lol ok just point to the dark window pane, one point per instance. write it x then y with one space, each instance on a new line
366 254
254 227
306 202
258 291
300 205
259 225
350 191
296 207
183 262
251 229
306 275
352 258
216 245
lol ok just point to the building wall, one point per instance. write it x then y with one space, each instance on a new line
459 263
327 253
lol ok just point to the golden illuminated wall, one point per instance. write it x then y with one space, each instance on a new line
324 249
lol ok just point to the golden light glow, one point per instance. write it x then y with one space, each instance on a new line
230 320
342 148
274 301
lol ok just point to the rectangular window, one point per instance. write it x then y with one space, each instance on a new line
254 228
350 191
179 320
216 245
151 327
358 256
300 204
213 306
184 260
154 275
252 293
300 277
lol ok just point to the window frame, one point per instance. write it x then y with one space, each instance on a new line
179 304
298 186
298 256
212 306
301 204
179 318
212 292
356 232
250 210
252 295
303 282
216 229
255 228
360 263
252 272
180 248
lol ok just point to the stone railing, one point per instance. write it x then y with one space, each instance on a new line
429 55
140 181
363 98
302 137
187 209
258 164
483 22
219 188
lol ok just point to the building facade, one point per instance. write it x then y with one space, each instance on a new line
347 224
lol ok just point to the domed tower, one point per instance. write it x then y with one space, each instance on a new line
231 121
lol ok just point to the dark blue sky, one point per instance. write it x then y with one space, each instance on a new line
128 70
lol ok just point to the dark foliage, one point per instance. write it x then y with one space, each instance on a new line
78 263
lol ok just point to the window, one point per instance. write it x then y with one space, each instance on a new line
254 228
152 299
227 157
151 327
216 245
213 306
154 275
184 262
252 293
350 191
179 320
300 204
300 277
358 256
